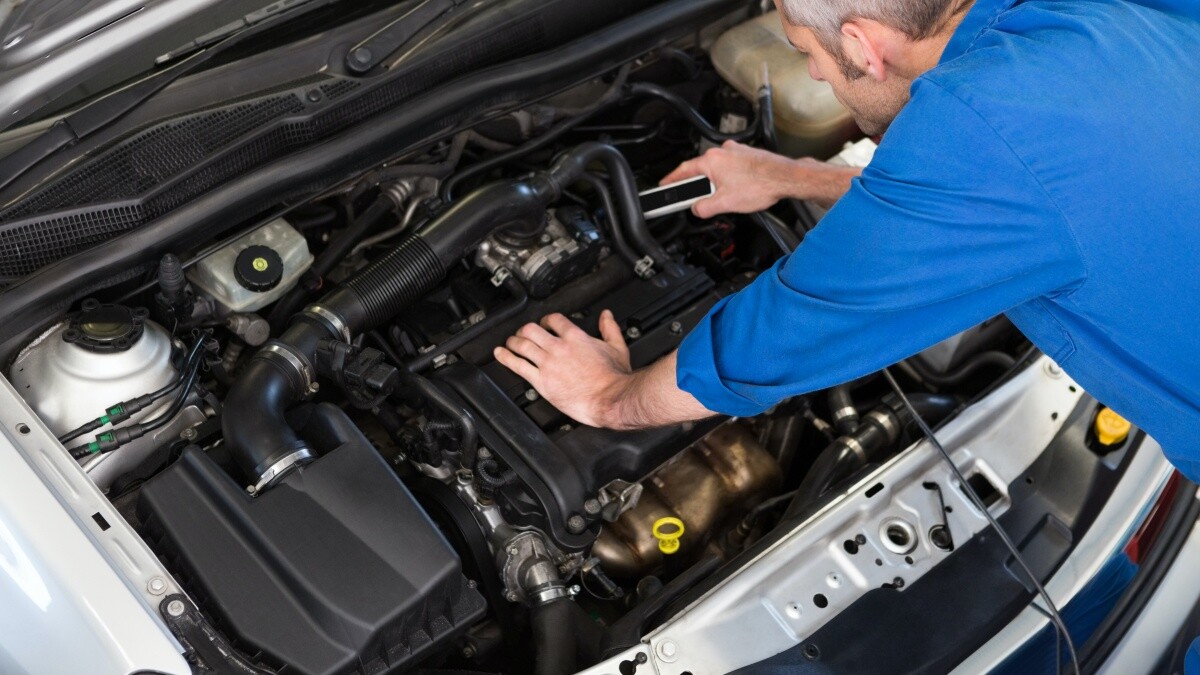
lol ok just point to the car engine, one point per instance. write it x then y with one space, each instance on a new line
306 423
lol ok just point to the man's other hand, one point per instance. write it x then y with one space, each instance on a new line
748 180
581 376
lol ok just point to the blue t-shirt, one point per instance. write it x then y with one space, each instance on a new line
1048 169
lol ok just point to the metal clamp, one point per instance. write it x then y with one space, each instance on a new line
297 362
644 268
500 276
332 321
276 470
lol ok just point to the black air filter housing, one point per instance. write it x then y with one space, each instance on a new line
334 570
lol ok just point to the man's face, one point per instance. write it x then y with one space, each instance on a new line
873 104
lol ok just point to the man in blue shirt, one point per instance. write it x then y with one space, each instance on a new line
1041 160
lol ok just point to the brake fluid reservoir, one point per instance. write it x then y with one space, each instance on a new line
809 120
255 270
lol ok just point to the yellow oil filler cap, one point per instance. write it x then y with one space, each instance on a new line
668 531
1111 428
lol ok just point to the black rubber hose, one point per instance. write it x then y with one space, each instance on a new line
993 359
573 165
689 113
615 229
554 640
842 410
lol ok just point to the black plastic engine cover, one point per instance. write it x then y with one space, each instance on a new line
561 464
334 570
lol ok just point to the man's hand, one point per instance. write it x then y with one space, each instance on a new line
578 374
748 180
591 380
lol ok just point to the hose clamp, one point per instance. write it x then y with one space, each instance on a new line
842 413
332 321
278 469
887 423
855 447
296 361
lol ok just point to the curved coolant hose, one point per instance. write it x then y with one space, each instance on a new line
996 359
615 229
875 433
693 117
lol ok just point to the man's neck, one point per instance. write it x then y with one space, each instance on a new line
923 55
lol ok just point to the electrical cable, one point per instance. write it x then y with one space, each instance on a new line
117 437
1051 609
122 411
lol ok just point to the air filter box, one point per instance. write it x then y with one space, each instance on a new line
336 569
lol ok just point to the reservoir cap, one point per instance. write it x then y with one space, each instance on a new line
1111 428
258 268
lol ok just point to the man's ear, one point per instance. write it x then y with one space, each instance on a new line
866 44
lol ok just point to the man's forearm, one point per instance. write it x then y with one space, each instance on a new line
820 182
651 398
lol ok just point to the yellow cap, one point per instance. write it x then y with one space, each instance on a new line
1111 428
668 531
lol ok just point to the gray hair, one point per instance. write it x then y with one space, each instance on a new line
918 19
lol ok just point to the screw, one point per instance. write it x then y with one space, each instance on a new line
468 652
668 650
511 595
513 550
531 394
633 333
546 239
573 590
471 583
250 489
576 524
641 657
188 434
591 507
157 586
176 608
676 328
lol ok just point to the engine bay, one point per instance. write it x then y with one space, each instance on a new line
306 424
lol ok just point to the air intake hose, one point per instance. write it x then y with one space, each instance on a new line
281 373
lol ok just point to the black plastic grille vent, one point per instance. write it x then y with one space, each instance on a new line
171 163
140 162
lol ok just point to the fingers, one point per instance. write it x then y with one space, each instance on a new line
561 325
709 207
689 169
537 335
610 331
516 364
526 349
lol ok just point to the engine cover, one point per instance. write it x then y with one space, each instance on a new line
563 465
336 569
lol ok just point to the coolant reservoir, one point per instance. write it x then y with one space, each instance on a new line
808 118
255 270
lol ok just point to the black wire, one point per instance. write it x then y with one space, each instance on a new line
1054 615
154 396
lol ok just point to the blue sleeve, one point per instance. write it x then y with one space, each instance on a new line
946 228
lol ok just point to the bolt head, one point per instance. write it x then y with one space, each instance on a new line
676 327
511 595
633 333
576 524
157 586
188 434
591 507
531 394
176 608
513 550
